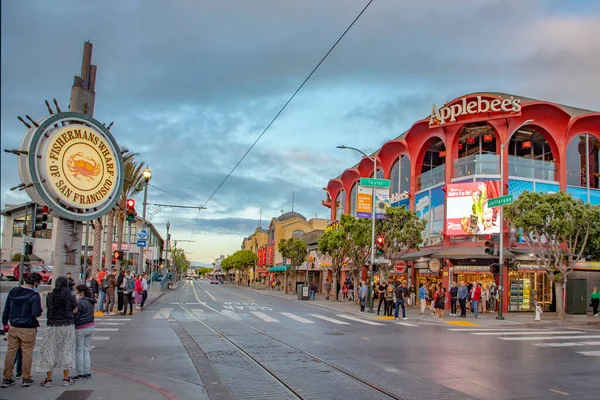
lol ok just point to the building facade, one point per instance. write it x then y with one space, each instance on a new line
547 147
15 220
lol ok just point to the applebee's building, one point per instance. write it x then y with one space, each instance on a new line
447 166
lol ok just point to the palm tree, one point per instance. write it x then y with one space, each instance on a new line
134 184
97 249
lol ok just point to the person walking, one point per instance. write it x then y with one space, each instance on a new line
440 302
138 292
351 291
475 299
345 292
94 287
103 285
84 330
493 297
462 299
389 301
59 344
144 290
327 288
400 294
111 286
595 301
22 307
485 297
71 283
120 277
313 290
453 299
128 287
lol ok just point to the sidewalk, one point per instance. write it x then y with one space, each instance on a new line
412 312
103 385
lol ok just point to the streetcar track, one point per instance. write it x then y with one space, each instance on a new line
264 367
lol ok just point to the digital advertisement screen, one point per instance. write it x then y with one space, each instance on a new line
467 211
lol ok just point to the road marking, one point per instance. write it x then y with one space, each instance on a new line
108 323
100 337
405 324
366 338
461 323
106 329
114 319
208 293
595 353
551 337
364 321
163 313
198 312
487 330
385 318
570 344
264 316
231 314
526 333
559 392
324 318
297 318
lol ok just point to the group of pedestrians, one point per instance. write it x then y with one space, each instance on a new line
121 285
67 337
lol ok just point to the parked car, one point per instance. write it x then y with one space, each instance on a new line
45 271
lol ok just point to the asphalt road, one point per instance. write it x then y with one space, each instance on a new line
409 361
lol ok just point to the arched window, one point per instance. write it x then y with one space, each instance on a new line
341 204
476 151
583 168
530 156
353 197
433 169
298 234
400 175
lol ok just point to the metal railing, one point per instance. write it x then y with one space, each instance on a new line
164 283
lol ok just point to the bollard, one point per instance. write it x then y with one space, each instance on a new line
538 313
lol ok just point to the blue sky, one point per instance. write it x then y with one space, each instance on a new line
190 85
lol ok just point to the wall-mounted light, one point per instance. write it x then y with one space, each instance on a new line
526 145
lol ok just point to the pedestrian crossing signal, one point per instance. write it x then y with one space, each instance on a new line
117 255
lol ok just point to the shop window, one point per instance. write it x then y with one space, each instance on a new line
530 156
341 201
353 197
19 227
433 169
400 175
583 167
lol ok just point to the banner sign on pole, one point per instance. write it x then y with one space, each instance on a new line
364 197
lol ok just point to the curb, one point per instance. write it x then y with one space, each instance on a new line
152 301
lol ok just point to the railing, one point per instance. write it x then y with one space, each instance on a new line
433 177
487 164
164 283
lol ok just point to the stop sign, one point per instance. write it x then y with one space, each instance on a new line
400 266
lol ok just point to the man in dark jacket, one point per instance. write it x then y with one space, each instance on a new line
22 308
401 294
71 282
120 277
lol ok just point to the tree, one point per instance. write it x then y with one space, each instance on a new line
556 229
97 246
402 231
203 270
17 257
132 185
358 234
334 243
180 262
295 249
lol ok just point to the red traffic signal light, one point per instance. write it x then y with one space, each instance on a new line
379 240
130 203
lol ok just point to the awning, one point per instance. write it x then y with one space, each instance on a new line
523 255
469 252
279 268
415 255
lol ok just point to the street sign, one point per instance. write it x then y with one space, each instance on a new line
380 183
382 261
500 201
400 266
141 243
143 234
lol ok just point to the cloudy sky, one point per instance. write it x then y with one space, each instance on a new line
191 84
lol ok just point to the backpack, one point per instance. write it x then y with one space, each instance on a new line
130 285
105 284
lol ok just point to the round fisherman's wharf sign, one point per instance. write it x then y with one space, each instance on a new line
75 164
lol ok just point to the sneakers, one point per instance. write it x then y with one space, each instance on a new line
111 314
86 376
46 382
7 382
595 315
27 382
403 318
68 382
78 377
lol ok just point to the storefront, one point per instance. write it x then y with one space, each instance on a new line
528 283
473 273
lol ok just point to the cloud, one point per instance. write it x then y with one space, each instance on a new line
191 85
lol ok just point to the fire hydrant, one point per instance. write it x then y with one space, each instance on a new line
538 313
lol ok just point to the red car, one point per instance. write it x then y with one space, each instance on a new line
10 271
45 271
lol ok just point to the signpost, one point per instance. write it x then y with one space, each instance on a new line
141 243
500 201
143 234
372 182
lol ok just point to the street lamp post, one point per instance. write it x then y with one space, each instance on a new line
501 244
147 174
371 283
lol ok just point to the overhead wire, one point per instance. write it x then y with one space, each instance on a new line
281 110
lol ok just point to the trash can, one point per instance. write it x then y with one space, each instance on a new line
305 292
299 291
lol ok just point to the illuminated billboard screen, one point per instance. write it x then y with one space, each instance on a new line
467 211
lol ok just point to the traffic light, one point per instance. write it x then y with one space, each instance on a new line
131 214
379 244
118 255
40 218
489 246
495 268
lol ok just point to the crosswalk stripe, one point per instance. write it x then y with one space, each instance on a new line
100 337
551 337
526 333
590 353
324 318
231 314
406 324
297 318
264 316
364 321
488 329
108 323
567 344
106 329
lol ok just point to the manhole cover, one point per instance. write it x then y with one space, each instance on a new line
335 333
138 359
